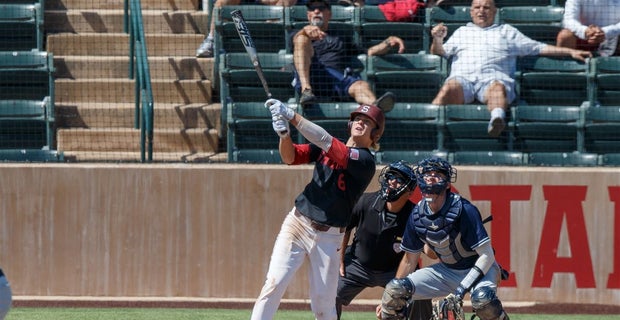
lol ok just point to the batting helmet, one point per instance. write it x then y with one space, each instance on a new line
374 113
396 170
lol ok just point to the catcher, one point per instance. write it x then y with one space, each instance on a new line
452 227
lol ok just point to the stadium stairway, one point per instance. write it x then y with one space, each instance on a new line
95 102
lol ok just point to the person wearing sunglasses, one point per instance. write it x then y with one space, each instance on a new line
322 61
379 220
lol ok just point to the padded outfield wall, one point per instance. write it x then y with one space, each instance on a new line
207 231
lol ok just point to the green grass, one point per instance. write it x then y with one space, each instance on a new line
24 313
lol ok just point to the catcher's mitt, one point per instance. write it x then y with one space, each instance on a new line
449 308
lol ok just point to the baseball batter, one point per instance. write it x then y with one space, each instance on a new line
314 228
452 227
379 220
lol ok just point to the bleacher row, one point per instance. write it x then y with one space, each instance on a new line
567 112
26 84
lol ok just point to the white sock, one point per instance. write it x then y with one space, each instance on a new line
498 113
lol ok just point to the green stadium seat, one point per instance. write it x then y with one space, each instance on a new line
563 159
26 124
411 156
411 77
602 129
606 81
257 156
466 130
333 117
21 27
375 29
489 158
265 23
548 128
343 23
250 131
452 17
412 126
26 75
30 155
542 23
610 159
517 3
552 81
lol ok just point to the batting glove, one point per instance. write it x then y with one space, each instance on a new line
281 127
277 108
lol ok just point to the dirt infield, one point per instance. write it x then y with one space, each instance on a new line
75 302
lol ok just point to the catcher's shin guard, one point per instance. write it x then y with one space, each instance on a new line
395 299
486 305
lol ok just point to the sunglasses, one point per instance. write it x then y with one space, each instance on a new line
320 7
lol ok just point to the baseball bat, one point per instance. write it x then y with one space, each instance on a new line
250 48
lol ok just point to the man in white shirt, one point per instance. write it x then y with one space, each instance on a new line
592 25
484 57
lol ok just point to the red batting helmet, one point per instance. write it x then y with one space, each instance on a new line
374 113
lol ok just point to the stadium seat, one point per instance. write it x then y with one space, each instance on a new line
411 156
466 130
489 158
602 129
26 100
266 24
606 81
412 126
250 132
563 159
545 128
411 77
333 117
21 27
610 159
516 3
452 17
240 82
31 155
375 29
552 81
343 23
257 156
542 23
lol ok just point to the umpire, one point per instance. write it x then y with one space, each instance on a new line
374 254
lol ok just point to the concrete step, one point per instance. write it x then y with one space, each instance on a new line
128 140
111 21
94 156
123 91
117 44
96 67
122 115
119 4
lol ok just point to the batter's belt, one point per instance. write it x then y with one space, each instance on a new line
317 225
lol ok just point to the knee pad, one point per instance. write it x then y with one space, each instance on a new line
395 298
486 305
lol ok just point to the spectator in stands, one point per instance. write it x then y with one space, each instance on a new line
5 296
321 61
483 56
205 50
592 25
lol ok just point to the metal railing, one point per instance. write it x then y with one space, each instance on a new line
140 71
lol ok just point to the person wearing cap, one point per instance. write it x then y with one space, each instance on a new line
321 61
314 227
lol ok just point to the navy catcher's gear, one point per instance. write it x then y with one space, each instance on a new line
396 170
438 165
486 305
395 299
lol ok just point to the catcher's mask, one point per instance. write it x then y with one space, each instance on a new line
374 113
437 165
401 171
